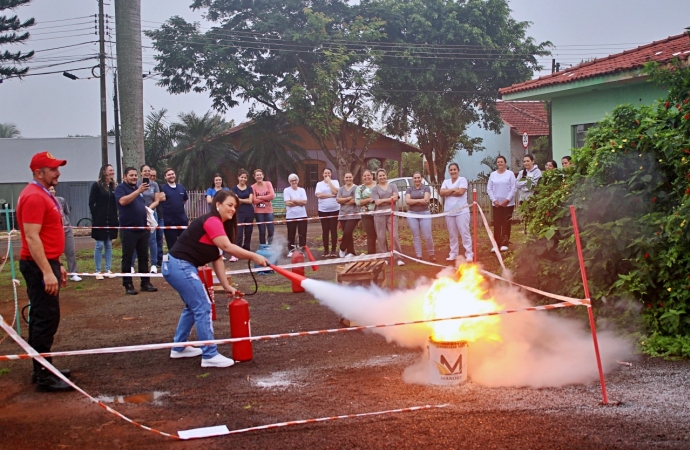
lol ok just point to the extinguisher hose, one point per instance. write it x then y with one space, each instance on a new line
256 284
24 313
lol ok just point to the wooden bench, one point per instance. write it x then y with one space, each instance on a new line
362 273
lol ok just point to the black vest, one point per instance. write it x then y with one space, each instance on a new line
188 247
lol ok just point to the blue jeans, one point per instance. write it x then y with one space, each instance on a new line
184 278
421 228
265 217
98 254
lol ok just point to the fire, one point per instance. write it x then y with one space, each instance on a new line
450 298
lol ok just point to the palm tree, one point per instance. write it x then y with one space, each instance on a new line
129 81
202 149
271 145
9 130
158 139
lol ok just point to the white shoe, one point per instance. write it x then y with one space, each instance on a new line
341 253
99 276
188 352
289 254
154 269
217 361
75 278
350 255
132 270
233 259
400 262
451 258
493 250
110 274
504 248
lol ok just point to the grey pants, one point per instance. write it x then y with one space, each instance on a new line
382 223
69 251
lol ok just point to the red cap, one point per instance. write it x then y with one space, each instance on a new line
45 159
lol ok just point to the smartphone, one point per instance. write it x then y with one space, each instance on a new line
146 180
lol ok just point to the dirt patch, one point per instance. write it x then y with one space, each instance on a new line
304 378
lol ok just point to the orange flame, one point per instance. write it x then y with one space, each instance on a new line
449 298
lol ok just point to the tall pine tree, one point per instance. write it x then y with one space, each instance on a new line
12 31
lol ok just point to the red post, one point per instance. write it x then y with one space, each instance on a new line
474 219
592 324
392 239
206 275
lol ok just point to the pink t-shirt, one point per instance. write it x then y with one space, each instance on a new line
262 197
213 228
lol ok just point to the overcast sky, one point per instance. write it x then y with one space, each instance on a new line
54 106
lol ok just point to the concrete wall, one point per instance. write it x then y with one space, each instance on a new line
592 106
494 144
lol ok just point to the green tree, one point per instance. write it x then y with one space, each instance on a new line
12 31
9 130
299 58
270 144
631 189
541 151
158 139
442 66
412 162
201 150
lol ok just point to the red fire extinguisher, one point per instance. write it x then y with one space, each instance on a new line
238 309
206 276
297 257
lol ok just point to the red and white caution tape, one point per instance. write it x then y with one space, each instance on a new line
148 347
33 354
15 282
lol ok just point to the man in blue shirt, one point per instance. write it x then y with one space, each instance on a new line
132 211
173 207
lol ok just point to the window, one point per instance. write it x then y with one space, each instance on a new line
311 172
579 132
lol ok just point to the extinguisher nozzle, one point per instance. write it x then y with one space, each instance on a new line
310 257
287 274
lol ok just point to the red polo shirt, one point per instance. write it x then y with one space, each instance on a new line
37 206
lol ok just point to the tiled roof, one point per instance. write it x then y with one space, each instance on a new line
660 51
525 116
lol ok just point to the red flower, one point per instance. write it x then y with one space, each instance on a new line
638 122
661 305
646 256
613 144
687 191
666 104
685 150
548 214
686 117
649 305
654 200
633 144
686 101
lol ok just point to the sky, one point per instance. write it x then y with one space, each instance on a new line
55 106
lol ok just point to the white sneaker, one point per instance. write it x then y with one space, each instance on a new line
504 248
132 270
341 253
154 269
233 259
110 274
217 361
188 352
400 262
289 254
451 258
350 255
75 278
493 250
99 276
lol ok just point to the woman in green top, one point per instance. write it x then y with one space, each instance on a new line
366 204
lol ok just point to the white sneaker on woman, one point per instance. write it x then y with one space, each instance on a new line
217 361
75 278
154 269
110 274
99 276
187 352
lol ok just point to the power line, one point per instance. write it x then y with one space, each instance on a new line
65 46
48 73
64 20
63 31
38 27
61 37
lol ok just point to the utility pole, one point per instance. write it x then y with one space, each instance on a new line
101 65
118 153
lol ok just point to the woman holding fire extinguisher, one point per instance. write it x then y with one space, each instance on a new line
199 245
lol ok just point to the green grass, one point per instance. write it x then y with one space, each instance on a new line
275 288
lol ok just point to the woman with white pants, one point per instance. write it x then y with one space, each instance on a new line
458 219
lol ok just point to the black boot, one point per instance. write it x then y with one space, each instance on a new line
148 287
129 288
65 372
47 382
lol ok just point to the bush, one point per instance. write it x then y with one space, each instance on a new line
631 190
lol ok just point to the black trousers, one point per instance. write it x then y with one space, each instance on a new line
171 237
44 313
244 233
301 228
329 227
135 240
370 230
348 244
502 215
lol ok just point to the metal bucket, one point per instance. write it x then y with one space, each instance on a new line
447 362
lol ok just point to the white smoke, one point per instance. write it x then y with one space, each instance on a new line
538 349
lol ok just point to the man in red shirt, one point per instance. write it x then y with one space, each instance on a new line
43 241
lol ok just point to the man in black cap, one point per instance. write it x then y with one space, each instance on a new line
43 241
